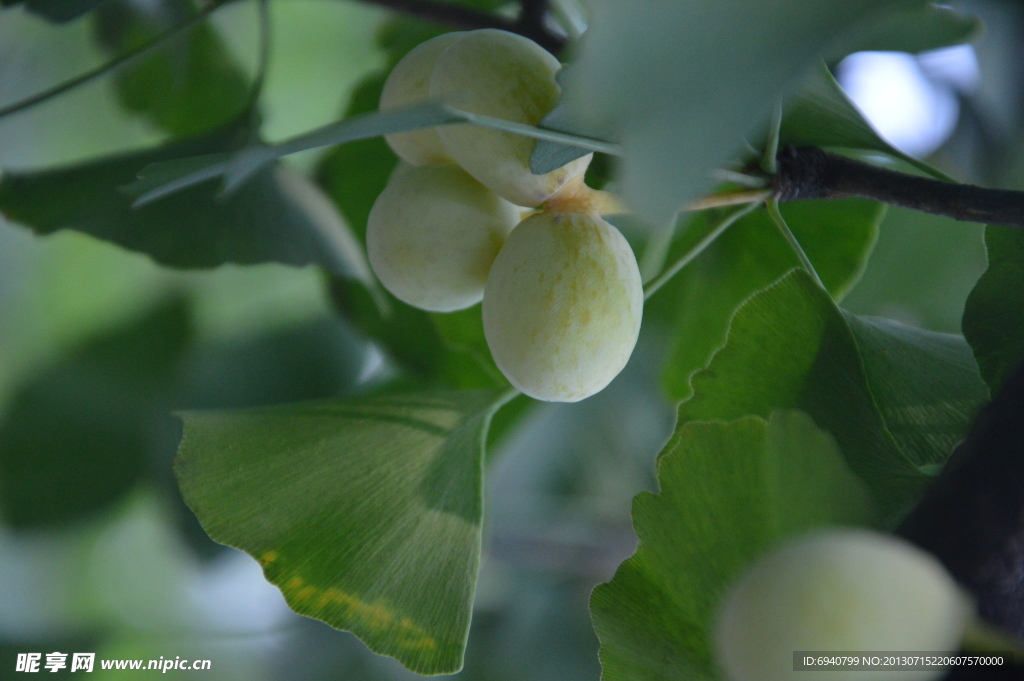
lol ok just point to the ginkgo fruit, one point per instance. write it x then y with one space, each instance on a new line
562 306
409 84
432 235
507 76
838 590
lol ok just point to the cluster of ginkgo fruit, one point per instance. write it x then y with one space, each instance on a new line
464 219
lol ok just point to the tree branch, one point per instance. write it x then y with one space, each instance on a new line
972 516
811 173
116 63
532 15
468 18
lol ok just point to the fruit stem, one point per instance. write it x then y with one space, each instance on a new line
771 150
780 222
698 248
735 177
576 197
731 198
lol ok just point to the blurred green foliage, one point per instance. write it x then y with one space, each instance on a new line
103 556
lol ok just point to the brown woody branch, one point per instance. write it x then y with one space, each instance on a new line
972 517
810 173
530 23
532 15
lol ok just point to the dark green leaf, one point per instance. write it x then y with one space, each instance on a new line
402 32
375 124
355 174
994 316
189 85
468 362
925 385
681 83
246 162
57 11
896 399
366 513
77 437
548 156
162 179
447 348
506 420
916 28
929 289
729 491
818 114
315 360
600 172
698 303
278 216
402 331
821 115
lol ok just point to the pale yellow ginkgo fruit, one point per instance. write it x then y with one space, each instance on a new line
838 590
409 84
507 76
563 305
432 235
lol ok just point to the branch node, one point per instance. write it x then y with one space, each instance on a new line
800 174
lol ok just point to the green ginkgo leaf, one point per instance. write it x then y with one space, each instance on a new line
993 317
897 399
365 512
729 491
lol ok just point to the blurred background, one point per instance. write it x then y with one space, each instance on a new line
98 345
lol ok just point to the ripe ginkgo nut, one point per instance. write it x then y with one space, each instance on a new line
562 306
432 235
507 76
409 84
838 590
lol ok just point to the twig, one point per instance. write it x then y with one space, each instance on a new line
811 173
114 64
776 215
740 178
467 18
733 198
686 258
